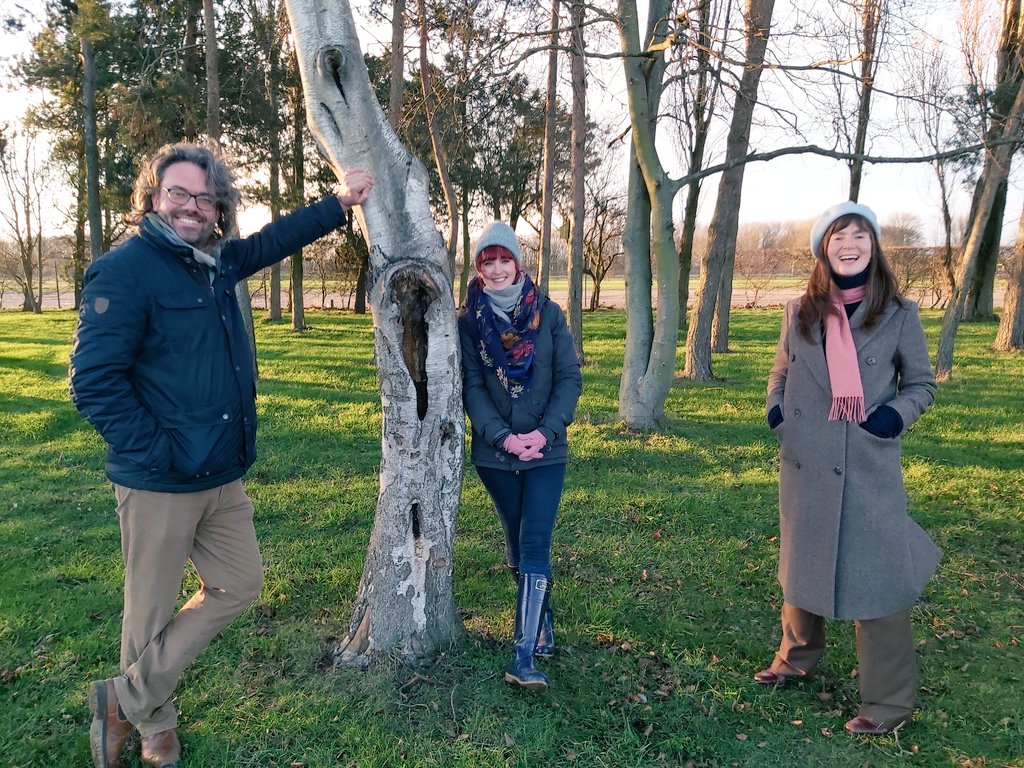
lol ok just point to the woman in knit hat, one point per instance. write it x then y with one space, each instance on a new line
521 380
851 374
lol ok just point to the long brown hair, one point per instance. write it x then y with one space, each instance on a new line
880 290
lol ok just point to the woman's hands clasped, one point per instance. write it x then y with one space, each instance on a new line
526 447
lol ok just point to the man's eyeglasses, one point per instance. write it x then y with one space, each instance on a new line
180 196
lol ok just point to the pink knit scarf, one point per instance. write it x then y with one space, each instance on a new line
841 358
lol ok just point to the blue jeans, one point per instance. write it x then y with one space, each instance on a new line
526 502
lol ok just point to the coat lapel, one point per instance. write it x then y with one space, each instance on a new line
814 357
862 336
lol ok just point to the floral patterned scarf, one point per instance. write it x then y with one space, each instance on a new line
507 346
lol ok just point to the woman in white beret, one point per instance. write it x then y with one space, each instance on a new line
851 374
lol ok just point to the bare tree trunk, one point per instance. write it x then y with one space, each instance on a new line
467 258
212 73
548 188
396 87
78 255
872 19
647 370
703 111
997 166
271 83
574 300
1009 73
1011 325
213 130
980 302
636 246
725 220
92 155
405 600
440 157
298 193
723 303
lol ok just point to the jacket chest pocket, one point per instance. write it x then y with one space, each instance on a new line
183 320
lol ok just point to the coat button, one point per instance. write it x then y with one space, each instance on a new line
796 412
796 464
225 416
199 299
870 361
837 470
792 357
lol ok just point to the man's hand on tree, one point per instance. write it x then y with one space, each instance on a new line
355 188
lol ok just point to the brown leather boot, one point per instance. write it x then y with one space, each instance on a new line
109 725
162 749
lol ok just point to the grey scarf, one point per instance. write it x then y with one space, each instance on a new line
206 259
504 299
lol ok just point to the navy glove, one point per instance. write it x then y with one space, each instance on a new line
775 416
884 422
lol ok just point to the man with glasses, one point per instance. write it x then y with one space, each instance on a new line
161 367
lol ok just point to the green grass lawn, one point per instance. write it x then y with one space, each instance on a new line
665 593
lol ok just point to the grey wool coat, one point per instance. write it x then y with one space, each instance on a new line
848 549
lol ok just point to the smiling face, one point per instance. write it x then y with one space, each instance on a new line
193 224
849 249
497 268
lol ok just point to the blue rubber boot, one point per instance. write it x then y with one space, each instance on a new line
546 638
533 589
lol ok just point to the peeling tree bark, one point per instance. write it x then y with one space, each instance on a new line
404 603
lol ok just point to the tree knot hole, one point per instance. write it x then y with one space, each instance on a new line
332 62
414 514
413 292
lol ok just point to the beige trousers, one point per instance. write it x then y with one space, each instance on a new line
886 659
160 533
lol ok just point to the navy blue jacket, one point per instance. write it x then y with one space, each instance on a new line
161 363
548 405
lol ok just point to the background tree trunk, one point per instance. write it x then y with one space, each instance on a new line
647 372
980 302
725 220
440 157
574 300
405 601
548 184
213 130
997 166
92 154
271 82
396 83
212 73
1011 325
873 16
298 195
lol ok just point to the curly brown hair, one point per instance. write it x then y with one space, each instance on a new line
219 176
880 290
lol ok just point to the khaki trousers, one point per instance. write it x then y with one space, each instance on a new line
160 533
886 659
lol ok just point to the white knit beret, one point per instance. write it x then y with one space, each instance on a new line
838 211
498 233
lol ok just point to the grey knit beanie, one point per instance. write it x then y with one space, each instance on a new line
837 211
498 233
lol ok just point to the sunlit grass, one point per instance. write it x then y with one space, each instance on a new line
665 590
